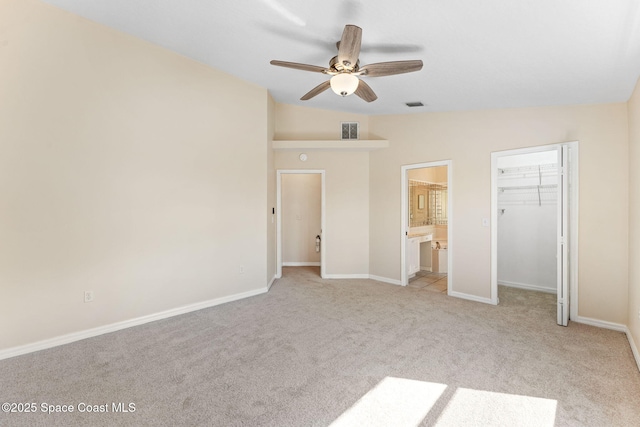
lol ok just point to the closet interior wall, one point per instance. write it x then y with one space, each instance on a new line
527 221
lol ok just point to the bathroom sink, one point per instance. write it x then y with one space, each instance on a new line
421 237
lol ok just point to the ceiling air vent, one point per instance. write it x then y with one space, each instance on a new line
414 104
350 130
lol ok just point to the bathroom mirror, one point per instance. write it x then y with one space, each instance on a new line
427 204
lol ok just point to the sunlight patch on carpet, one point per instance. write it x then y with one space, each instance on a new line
393 401
484 408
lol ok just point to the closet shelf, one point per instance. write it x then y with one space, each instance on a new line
529 170
534 187
529 187
331 145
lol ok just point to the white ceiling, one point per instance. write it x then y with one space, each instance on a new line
476 54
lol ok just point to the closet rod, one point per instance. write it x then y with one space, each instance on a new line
551 167
528 187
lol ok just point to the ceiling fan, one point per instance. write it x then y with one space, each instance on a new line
345 69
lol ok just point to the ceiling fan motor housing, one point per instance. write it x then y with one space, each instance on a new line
338 67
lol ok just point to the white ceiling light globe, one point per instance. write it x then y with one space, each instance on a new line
344 84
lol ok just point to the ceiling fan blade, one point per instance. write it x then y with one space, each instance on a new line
365 92
297 66
349 47
316 90
391 68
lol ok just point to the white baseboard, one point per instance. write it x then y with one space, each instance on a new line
634 349
385 279
471 297
613 326
600 323
346 276
273 279
528 287
300 264
89 333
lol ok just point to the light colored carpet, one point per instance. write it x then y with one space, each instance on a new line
314 352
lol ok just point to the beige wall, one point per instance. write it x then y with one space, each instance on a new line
122 171
346 237
634 215
468 138
307 123
435 174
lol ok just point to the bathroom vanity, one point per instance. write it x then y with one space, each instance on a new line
414 247
423 247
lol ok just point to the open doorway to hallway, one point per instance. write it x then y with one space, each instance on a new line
426 226
300 218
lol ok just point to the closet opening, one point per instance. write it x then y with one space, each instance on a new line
534 211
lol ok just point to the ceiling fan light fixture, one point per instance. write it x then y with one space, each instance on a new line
345 68
344 84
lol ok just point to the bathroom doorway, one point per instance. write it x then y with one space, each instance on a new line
300 219
534 212
426 226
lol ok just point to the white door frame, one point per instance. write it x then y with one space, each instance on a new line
323 244
573 218
563 235
404 224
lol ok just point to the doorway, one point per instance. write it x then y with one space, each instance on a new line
426 250
300 216
534 233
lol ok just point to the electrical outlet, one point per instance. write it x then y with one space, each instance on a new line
241 269
88 296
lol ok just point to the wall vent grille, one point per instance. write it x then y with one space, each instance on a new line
350 130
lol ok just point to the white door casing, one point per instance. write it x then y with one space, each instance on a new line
567 226
563 236
323 243
404 227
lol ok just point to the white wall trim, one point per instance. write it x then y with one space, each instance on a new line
113 327
385 280
346 276
273 279
301 264
528 287
634 349
472 297
615 327
601 323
